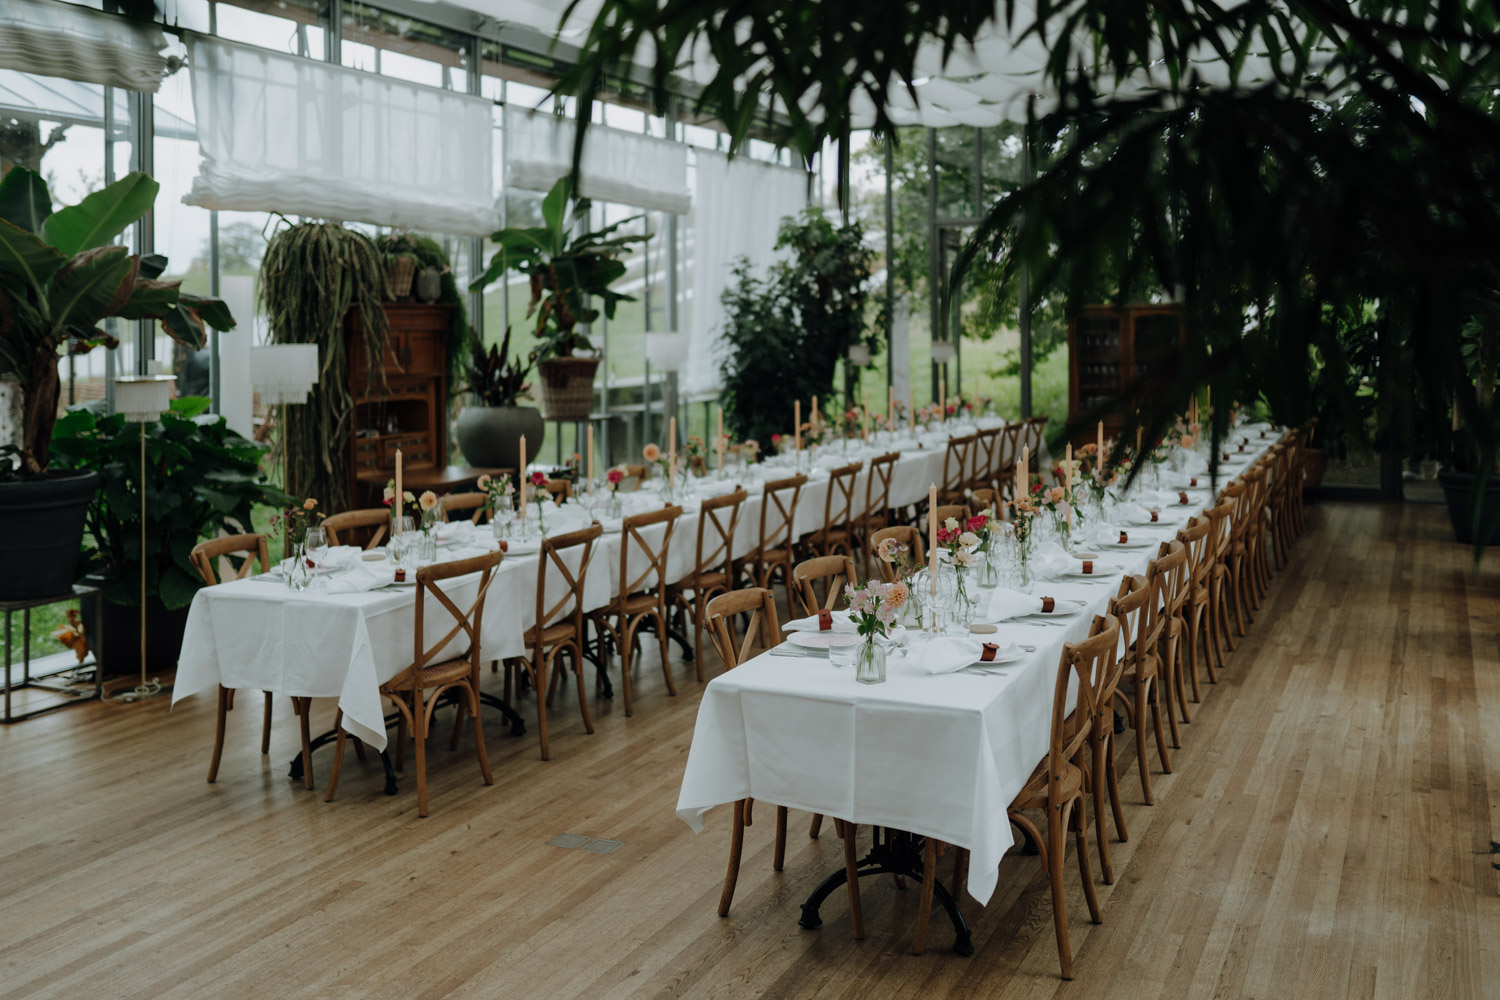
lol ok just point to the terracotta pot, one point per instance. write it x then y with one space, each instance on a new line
567 388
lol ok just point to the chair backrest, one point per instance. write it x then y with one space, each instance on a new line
1092 662
838 503
470 505
717 524
760 605
778 511
1200 556
1169 572
957 463
986 497
468 622
1036 428
986 458
1219 531
652 558
878 485
206 555
1010 450
904 534
552 561
635 477
831 572
347 528
1129 609
958 511
561 489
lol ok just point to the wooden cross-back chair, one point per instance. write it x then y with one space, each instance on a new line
905 534
1279 502
713 564
1034 433
1244 521
1141 669
561 489
559 626
829 572
760 604
642 596
836 533
210 558
957 511
634 478
986 458
417 690
1195 536
778 514
1220 538
1057 784
981 499
877 509
466 505
1171 565
365 528
958 461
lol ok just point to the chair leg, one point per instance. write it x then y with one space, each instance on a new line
223 713
1116 806
400 763
303 718
1081 841
625 649
816 826
419 740
666 663
484 758
1140 738
780 856
539 668
1161 737
265 727
1193 613
338 757
459 709
697 608
960 872
851 881
1165 677
1056 833
1174 668
736 845
583 696
924 907
1097 780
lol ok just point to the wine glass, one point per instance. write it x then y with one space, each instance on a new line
316 545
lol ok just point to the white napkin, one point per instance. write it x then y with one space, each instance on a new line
1134 514
341 555
945 654
1005 604
842 622
452 529
366 576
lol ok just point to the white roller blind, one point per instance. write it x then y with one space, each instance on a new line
279 133
77 43
623 167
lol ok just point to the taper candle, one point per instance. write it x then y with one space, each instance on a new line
521 475
890 408
797 424
1101 445
719 439
932 565
399 494
1068 485
671 447
1024 486
911 409
943 399
591 454
865 406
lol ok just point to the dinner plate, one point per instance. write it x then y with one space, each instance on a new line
1134 543
821 640
1003 657
514 547
1062 607
1102 570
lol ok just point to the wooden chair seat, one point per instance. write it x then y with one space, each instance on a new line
634 604
1033 794
553 633
438 674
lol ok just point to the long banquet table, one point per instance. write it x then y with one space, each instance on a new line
940 756
259 635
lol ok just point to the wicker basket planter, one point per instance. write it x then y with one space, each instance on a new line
399 272
567 386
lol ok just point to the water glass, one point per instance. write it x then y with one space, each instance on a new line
316 543
842 655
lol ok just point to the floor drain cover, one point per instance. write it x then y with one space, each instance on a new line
568 840
602 846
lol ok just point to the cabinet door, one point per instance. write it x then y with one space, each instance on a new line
422 352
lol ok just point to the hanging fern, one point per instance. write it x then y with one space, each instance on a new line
311 276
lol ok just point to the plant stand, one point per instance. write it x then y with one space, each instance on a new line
70 695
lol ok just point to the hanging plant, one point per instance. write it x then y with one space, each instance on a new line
311 276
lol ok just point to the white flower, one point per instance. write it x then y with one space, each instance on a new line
951 524
963 557
968 539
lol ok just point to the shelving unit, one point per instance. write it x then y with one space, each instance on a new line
1117 355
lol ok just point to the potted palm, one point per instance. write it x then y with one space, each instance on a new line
61 276
490 431
568 274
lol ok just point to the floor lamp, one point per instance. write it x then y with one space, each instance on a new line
141 399
282 374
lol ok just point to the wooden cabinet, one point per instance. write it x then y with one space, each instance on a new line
407 409
1118 357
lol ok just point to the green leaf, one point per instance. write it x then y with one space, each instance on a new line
555 204
150 299
25 258
210 311
153 265
177 588
24 199
184 325
103 215
84 290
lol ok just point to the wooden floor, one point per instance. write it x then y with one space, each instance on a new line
1328 833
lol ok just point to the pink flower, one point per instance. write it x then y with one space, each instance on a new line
483 482
538 479
652 452
614 476
977 522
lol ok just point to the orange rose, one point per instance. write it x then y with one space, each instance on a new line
651 452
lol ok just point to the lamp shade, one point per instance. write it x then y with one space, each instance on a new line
283 373
143 398
667 351
942 351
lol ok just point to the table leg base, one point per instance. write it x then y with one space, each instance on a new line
893 853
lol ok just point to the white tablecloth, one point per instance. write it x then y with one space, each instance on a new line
262 636
941 756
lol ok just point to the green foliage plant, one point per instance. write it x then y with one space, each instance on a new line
496 378
61 276
201 478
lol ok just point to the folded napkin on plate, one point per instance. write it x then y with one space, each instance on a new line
946 654
1133 513
367 576
452 529
840 621
341 555
1006 604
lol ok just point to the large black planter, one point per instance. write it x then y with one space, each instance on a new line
41 530
122 638
1458 487
490 436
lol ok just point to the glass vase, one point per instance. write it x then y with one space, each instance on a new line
298 575
614 509
963 599
989 574
1024 553
426 547
869 662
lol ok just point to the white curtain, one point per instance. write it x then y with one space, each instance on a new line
78 43
278 133
737 210
623 167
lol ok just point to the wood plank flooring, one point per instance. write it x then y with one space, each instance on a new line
1329 833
